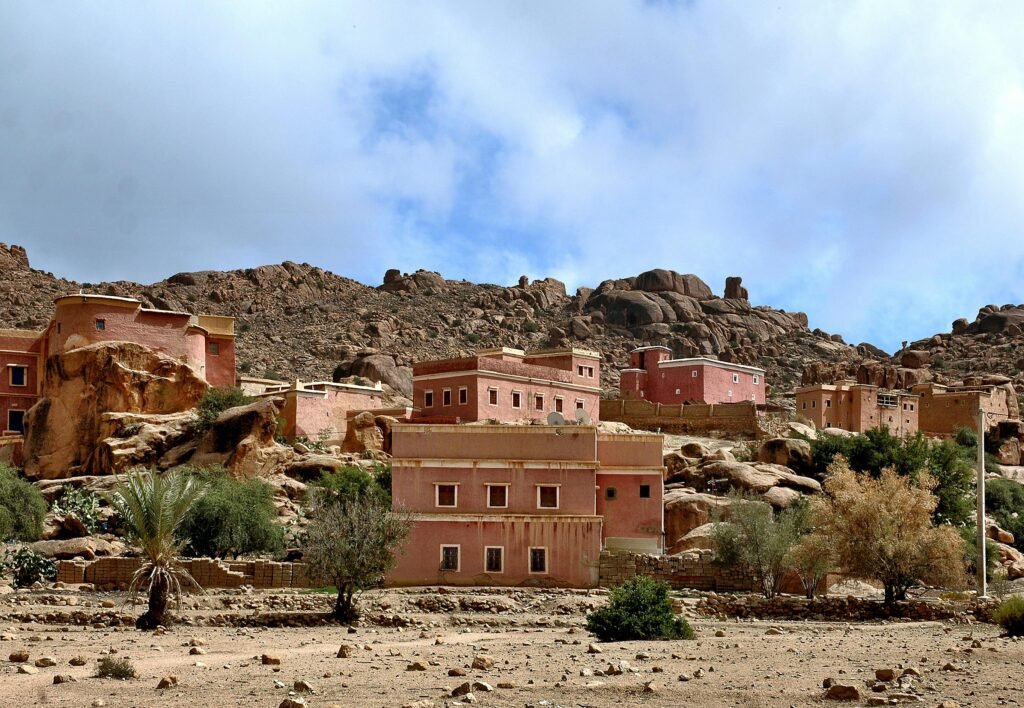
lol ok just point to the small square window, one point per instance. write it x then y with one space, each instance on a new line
547 497
677 391
463 395
494 559
538 560
450 558
446 397
517 399
814 404
497 496
16 421
19 375
538 402
610 493
558 404
215 348
101 325
579 404
645 491
757 379
492 396
828 403
428 399
735 378
579 370
693 374
805 405
446 495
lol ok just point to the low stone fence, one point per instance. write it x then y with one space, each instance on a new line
732 418
208 572
684 571
788 607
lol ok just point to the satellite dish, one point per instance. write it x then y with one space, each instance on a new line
582 417
555 418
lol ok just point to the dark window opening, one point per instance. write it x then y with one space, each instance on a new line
450 558
645 491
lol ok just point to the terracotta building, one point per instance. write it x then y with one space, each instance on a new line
519 505
316 410
858 407
508 385
655 377
205 342
946 409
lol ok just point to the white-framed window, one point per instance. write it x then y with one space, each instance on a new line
538 401
428 399
215 348
814 404
463 395
446 397
547 496
517 399
677 391
16 421
492 396
497 496
450 558
579 369
757 379
446 495
494 559
538 559
735 378
559 404
17 375
580 403
693 374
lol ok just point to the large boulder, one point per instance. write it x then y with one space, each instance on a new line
241 439
687 509
700 538
374 366
82 385
87 548
794 454
661 280
757 478
139 440
363 434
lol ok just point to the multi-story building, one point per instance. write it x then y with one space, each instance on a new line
654 376
204 342
858 407
508 385
513 505
946 409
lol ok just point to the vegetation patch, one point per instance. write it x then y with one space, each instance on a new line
22 507
639 609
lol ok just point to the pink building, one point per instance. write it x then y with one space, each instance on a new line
522 505
204 342
655 377
317 410
508 385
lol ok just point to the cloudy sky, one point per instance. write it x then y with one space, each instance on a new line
860 161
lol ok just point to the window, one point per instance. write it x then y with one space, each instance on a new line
547 496
757 379
538 560
16 421
58 328
805 405
494 559
579 370
492 396
610 493
735 378
677 391
538 402
517 399
588 371
215 348
428 399
446 397
101 325
911 406
828 403
579 404
693 374
887 400
450 558
558 404
19 375
446 495
463 395
645 491
497 496
814 404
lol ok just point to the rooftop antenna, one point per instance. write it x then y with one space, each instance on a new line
582 417
556 418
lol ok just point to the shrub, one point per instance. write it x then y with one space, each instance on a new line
234 517
638 609
965 437
121 669
472 337
1010 615
215 401
754 540
353 483
531 326
27 567
82 504
22 507
273 375
1004 501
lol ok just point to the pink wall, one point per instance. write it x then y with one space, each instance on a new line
18 351
75 326
680 381
495 442
628 515
220 367
573 547
308 413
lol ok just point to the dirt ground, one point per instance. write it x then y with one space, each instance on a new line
535 637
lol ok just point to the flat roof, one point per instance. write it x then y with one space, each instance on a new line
650 346
574 351
707 360
89 297
498 350
22 333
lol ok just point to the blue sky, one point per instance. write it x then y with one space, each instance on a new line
860 161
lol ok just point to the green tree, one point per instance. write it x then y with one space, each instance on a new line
639 609
215 401
757 541
151 507
22 507
1004 502
353 483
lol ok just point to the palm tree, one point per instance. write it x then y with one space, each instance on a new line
151 507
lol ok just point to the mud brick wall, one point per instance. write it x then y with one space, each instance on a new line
734 418
690 571
208 572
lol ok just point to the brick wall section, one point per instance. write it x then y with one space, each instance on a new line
736 418
690 571
208 572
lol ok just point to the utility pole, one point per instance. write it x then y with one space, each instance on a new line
981 504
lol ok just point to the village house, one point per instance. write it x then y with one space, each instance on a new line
204 342
654 376
944 410
858 407
508 385
522 504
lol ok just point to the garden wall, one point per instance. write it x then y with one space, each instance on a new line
208 572
731 418
684 571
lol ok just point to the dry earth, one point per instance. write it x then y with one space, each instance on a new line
536 638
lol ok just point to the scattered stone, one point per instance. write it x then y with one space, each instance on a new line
63 678
199 651
27 669
462 689
456 672
842 692
483 662
293 702
886 674
301 686
167 682
950 666
345 651
270 660
78 661
416 666
18 657
594 649
482 687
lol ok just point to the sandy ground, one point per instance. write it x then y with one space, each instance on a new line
753 664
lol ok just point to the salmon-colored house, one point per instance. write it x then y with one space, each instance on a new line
317 410
204 342
858 407
654 376
523 504
508 385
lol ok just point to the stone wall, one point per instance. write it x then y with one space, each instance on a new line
841 608
208 572
733 418
690 571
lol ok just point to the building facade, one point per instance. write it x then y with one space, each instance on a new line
21 361
946 409
654 376
508 385
522 505
316 410
858 407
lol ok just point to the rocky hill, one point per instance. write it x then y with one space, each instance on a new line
300 320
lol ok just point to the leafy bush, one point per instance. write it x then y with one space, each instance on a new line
234 517
215 401
353 483
80 503
756 541
22 507
121 669
1010 615
638 609
965 437
27 567
1004 502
